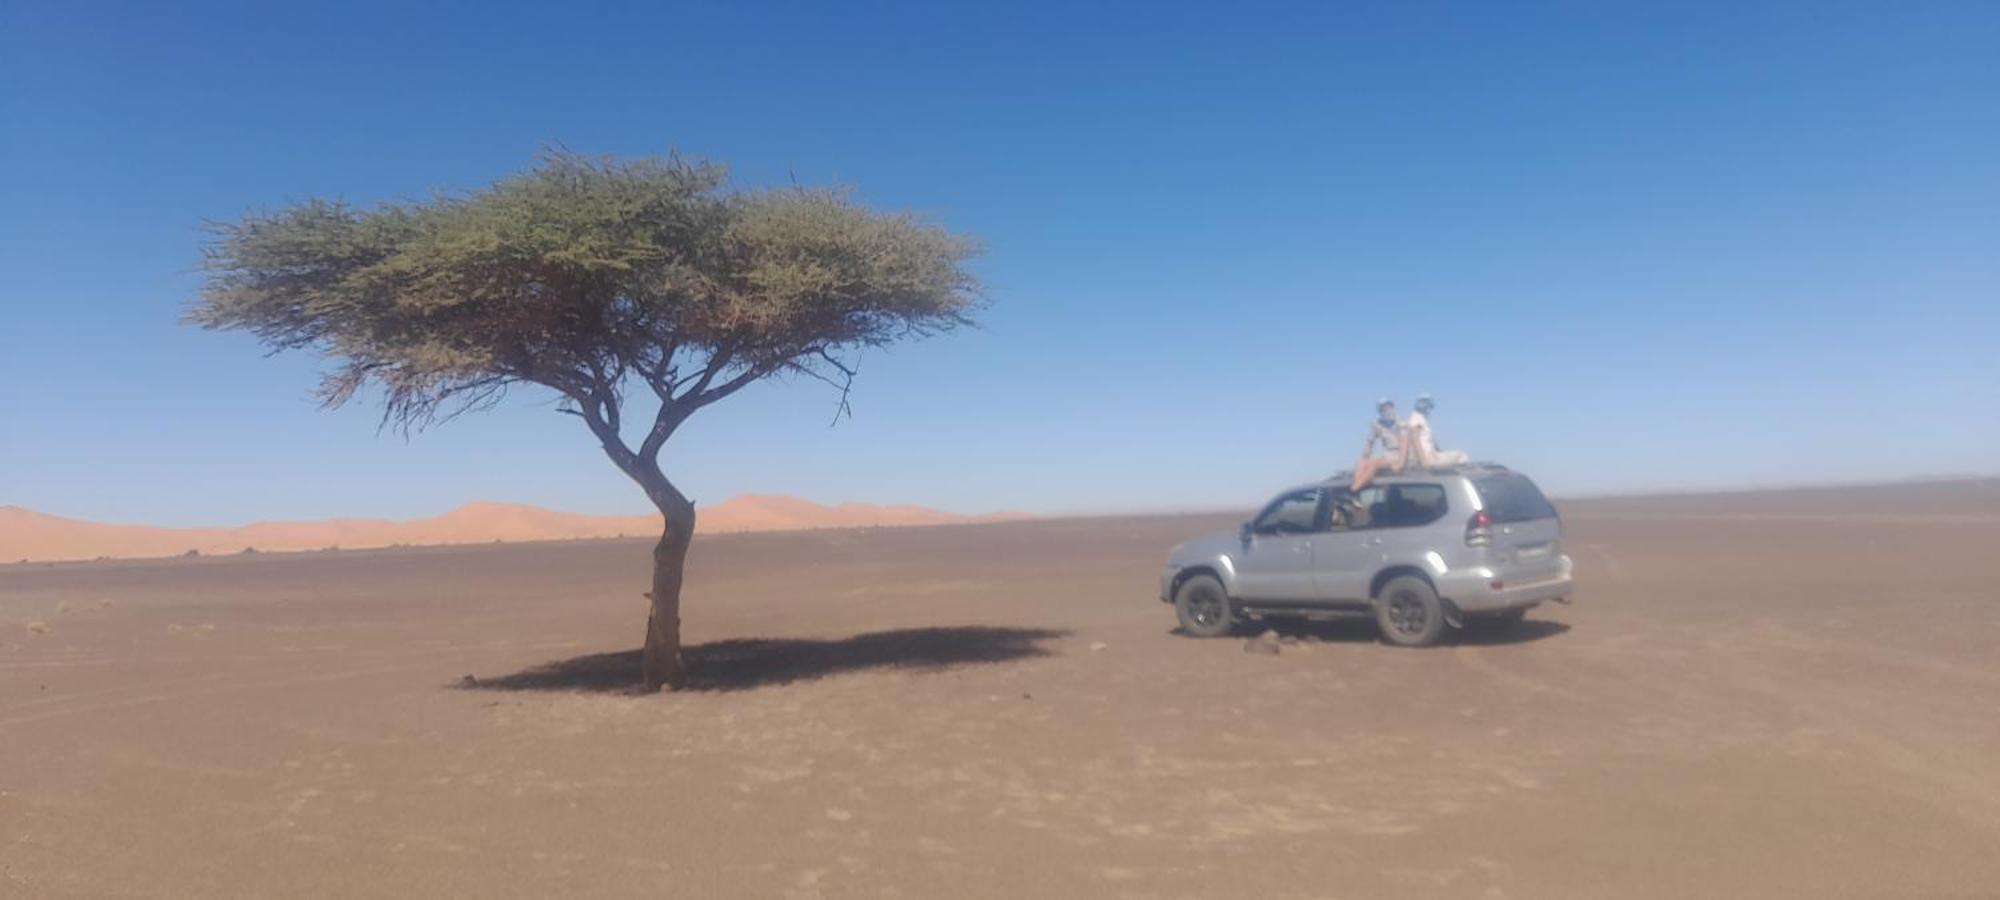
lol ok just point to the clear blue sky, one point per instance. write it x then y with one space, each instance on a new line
1629 246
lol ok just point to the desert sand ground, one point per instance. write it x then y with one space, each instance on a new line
1777 695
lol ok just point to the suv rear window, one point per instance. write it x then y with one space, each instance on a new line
1399 506
1511 497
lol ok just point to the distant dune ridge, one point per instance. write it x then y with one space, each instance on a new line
26 534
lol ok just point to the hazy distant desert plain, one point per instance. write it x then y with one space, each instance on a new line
1780 694
30 536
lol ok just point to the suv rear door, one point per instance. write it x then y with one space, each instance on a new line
1525 542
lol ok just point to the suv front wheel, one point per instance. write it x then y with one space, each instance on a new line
1409 612
1203 607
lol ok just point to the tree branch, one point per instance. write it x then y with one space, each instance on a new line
593 416
717 361
701 398
663 376
845 384
664 422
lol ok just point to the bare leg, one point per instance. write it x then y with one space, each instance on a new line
1364 472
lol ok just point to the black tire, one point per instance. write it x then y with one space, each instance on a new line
1409 612
1203 607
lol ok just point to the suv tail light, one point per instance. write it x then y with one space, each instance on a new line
1479 530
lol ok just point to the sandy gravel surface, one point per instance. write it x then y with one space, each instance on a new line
1787 695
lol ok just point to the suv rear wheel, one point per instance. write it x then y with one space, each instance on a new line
1409 612
1203 607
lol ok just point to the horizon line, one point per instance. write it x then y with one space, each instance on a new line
1071 512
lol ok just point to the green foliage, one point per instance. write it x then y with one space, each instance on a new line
585 275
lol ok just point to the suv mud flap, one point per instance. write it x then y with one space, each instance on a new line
1452 615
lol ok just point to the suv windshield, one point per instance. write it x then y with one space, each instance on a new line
1511 497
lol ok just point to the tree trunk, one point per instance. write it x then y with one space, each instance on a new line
661 664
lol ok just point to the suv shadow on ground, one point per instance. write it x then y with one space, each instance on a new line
1359 630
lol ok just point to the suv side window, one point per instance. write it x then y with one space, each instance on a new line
1295 513
1400 506
1342 511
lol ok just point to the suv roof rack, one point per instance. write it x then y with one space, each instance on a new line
1345 476
1478 464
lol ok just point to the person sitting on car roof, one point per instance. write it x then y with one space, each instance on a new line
1418 439
1385 448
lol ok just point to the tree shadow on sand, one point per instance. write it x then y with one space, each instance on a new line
742 664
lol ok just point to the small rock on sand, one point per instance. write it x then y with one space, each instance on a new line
38 628
1266 643
1098 645
468 681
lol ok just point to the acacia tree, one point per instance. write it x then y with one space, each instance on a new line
597 279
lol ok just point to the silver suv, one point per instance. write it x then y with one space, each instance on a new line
1419 551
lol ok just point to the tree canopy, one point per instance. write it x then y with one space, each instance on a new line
585 275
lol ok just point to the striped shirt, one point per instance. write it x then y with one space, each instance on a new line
1383 440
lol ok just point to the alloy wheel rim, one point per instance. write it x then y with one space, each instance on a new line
1204 608
1406 613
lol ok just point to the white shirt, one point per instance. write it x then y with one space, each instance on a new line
1420 433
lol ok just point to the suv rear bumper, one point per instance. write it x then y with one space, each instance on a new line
1472 589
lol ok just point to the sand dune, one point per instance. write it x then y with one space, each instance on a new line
29 535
